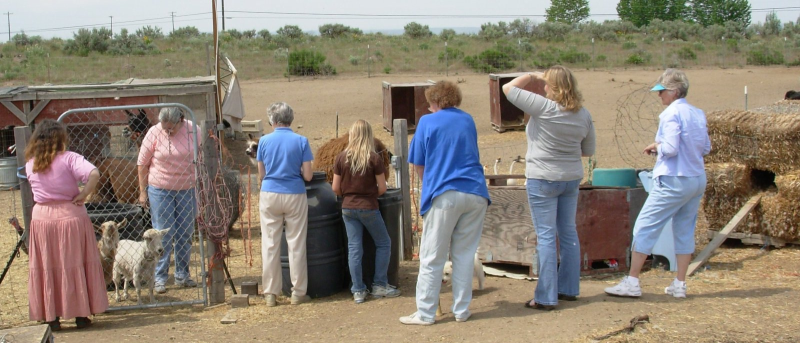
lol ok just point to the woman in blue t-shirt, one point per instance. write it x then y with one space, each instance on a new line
445 155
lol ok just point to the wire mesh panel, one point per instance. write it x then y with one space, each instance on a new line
14 267
150 249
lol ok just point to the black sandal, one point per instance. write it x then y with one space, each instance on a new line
55 325
82 322
538 306
567 297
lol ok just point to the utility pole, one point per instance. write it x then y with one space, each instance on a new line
112 25
223 15
8 15
173 21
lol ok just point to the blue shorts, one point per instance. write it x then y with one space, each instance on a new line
672 197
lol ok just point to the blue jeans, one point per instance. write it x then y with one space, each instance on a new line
355 221
453 225
553 207
173 210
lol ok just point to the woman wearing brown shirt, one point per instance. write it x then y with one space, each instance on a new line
358 176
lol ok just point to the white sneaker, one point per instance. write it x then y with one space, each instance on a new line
676 289
360 297
271 300
414 319
625 289
387 291
463 318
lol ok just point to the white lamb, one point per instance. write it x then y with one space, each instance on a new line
136 261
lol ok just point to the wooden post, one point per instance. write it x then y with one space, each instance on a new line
400 131
21 136
216 289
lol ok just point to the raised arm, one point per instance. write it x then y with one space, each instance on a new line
521 81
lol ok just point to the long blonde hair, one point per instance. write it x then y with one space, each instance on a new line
563 88
359 147
48 140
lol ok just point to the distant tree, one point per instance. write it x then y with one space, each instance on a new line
85 41
249 34
290 31
416 30
772 25
185 32
568 11
520 28
710 12
151 32
491 31
641 12
447 34
338 30
264 34
21 39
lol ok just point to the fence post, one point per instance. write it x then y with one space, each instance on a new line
400 128
663 55
593 55
724 49
208 62
369 62
446 61
21 136
288 67
519 46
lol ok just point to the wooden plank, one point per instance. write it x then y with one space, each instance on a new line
37 109
755 239
16 111
508 232
401 153
704 255
109 93
27 334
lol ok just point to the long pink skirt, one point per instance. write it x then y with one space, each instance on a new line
65 277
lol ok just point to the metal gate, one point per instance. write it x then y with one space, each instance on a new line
113 139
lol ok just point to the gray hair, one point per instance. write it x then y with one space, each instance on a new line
170 115
280 113
675 79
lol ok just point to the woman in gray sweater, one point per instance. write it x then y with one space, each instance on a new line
559 132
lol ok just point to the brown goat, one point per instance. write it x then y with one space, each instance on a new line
326 155
107 245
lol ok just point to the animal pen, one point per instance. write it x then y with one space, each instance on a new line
106 124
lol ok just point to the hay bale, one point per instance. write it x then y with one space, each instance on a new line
781 217
726 179
326 155
789 184
720 209
765 141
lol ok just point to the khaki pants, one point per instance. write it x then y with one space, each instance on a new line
275 208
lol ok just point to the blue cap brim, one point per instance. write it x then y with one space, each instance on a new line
657 88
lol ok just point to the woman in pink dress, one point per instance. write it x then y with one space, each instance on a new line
65 275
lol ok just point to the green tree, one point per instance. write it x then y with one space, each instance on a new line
417 30
491 31
338 30
447 34
152 32
521 28
568 11
710 12
290 31
641 12
185 32
772 25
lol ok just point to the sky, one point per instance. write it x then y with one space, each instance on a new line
59 18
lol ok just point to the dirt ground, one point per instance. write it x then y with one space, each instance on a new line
746 294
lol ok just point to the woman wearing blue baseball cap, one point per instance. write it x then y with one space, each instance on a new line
679 180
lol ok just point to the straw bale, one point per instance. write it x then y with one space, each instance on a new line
724 179
326 154
783 106
789 184
766 141
781 217
720 209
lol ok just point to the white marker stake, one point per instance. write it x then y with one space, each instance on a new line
745 98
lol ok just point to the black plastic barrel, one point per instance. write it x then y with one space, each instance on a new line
391 207
138 220
325 249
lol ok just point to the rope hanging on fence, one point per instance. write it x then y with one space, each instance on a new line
216 204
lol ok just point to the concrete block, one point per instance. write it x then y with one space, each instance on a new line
250 287
240 300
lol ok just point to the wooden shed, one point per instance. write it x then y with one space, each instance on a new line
504 115
404 101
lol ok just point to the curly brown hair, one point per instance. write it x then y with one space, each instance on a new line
444 93
48 140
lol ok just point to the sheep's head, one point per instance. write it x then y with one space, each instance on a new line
109 236
153 239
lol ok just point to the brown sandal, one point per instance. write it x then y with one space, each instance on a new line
538 306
